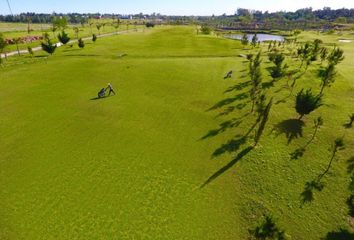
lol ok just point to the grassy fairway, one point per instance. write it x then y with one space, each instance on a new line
132 166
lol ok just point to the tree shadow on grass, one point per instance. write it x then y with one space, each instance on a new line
292 128
310 187
230 109
72 50
350 203
234 144
350 167
82 55
239 156
342 234
231 146
228 101
351 184
238 87
222 128
41 56
298 153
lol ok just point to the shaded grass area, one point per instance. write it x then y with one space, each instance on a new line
131 165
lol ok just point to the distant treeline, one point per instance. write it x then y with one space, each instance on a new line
76 18
306 18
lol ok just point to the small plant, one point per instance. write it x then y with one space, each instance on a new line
47 45
254 40
81 43
307 102
98 26
244 39
94 38
30 51
76 30
63 37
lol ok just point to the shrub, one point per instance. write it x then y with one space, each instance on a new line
94 38
81 43
47 45
63 37
150 25
244 39
205 30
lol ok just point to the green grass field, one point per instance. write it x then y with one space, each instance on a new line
16 30
132 166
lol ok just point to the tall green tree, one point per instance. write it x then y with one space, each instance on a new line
278 70
327 76
307 102
316 49
304 52
323 54
336 56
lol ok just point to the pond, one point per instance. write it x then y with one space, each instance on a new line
261 37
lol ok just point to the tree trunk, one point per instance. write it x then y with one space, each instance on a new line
322 89
18 50
329 166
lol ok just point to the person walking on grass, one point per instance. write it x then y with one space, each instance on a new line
111 90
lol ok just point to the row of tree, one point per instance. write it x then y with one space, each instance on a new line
306 101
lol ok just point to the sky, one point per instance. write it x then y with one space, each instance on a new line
168 7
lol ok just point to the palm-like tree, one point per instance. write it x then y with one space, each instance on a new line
307 102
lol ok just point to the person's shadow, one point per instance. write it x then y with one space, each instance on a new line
100 98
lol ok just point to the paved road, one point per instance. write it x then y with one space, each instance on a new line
9 54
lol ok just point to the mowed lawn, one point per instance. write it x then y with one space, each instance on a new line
134 165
